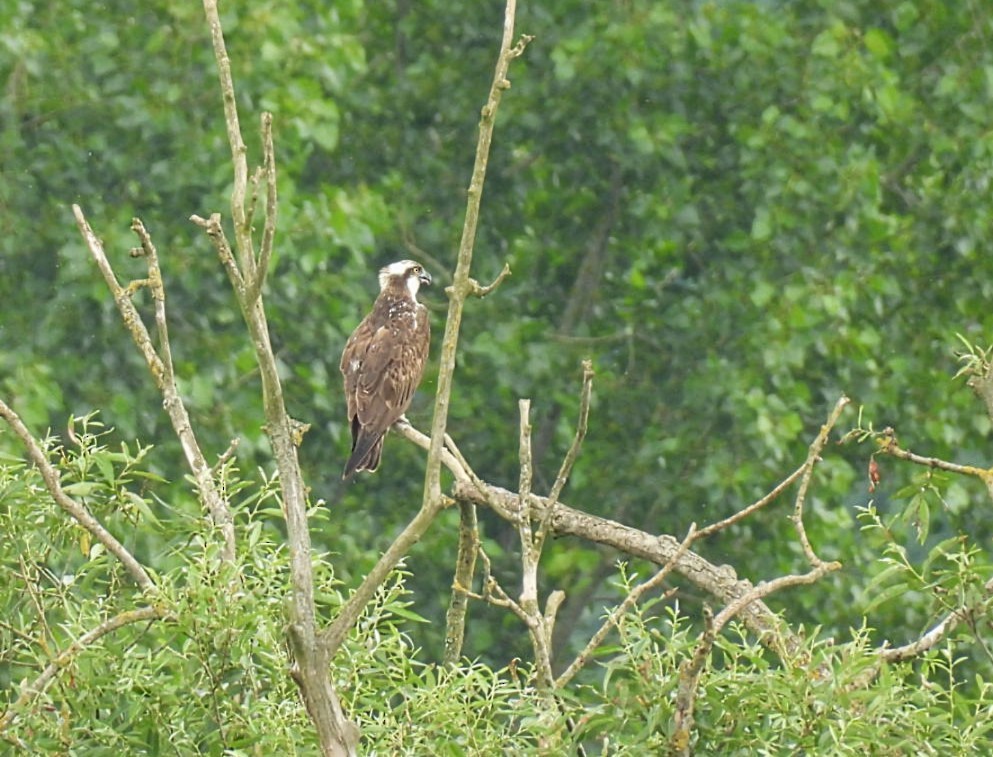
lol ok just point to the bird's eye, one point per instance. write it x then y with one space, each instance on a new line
417 269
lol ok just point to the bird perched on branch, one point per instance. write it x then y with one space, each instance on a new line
383 362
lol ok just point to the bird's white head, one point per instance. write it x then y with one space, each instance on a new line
410 272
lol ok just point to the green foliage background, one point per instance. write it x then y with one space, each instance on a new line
738 210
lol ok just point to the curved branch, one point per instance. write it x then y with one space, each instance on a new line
37 687
888 445
75 509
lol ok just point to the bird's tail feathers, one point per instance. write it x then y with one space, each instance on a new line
366 453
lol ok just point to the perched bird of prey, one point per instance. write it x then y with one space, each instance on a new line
383 362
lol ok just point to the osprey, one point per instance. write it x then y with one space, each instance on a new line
383 362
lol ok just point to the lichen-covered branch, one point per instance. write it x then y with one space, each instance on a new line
465 568
720 581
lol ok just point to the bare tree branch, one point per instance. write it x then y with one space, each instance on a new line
927 641
718 580
269 230
478 290
74 509
239 153
888 445
530 559
813 455
757 505
334 635
311 660
573 453
465 568
461 288
160 365
433 501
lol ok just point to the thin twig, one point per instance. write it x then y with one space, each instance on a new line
157 286
334 635
928 640
432 502
74 509
269 230
888 445
577 442
813 456
758 504
215 231
766 588
450 446
478 290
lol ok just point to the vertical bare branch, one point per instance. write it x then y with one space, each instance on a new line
689 681
461 286
573 453
239 153
269 229
530 559
465 567
813 456
336 734
76 510
433 501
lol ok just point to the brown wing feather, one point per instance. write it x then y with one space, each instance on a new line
382 365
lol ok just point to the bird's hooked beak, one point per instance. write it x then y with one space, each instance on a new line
424 278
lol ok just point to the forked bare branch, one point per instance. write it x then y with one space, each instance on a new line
159 363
